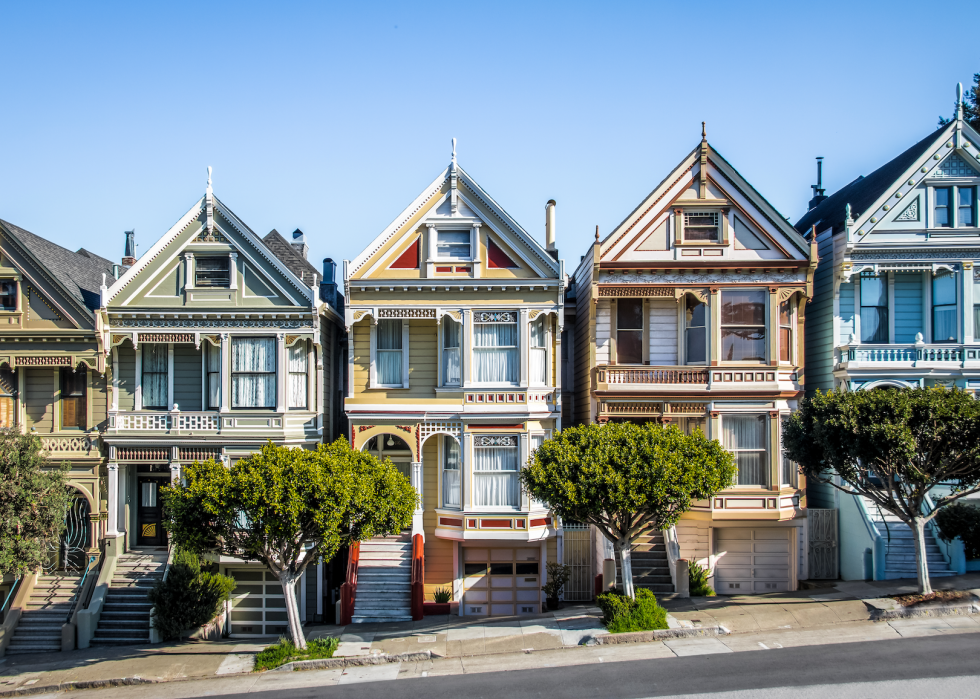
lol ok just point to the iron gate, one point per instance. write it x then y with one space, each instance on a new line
69 553
822 553
578 557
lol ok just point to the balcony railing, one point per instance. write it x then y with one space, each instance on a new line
651 375
907 355
164 422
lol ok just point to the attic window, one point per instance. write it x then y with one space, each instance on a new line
453 245
8 295
701 226
212 272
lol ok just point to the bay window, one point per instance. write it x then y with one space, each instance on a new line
154 378
695 331
451 366
538 353
629 331
450 472
743 326
785 332
212 369
944 308
495 349
253 372
495 464
296 359
388 356
745 436
874 309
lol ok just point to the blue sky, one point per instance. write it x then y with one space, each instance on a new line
333 116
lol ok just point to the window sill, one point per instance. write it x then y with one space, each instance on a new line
701 244
449 389
382 387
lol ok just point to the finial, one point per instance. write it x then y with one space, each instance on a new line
847 212
959 101
704 132
209 177
597 233
454 150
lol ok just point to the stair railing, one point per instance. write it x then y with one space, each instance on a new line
79 589
880 550
673 552
348 591
10 596
418 577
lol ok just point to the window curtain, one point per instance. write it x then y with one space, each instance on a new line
874 309
148 494
388 362
451 370
746 436
450 473
213 359
155 376
495 358
253 366
296 360
538 353
789 467
495 482
944 308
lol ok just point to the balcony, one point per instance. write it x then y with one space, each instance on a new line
190 423
907 356
677 376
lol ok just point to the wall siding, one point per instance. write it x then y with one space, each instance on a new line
188 380
847 292
819 341
908 307
438 552
127 377
663 332
39 399
603 328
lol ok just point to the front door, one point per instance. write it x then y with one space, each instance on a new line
149 514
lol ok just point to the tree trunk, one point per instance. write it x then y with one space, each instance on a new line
921 563
626 568
288 581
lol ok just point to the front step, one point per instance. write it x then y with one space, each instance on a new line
125 617
651 570
384 581
39 627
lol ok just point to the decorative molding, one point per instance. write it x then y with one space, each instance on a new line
406 313
635 291
210 236
216 323
705 276
911 212
495 316
910 255
494 441
180 338
45 361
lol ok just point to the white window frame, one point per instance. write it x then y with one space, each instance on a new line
304 344
520 320
545 319
442 349
374 355
682 332
473 474
442 436
767 425
792 330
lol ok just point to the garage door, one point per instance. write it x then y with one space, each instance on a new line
752 560
501 582
258 607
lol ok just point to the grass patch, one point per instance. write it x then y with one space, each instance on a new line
283 651
621 614
937 596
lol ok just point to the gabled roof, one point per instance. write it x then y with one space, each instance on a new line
865 191
290 257
78 273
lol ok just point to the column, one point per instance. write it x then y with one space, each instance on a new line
115 378
475 250
890 277
775 453
467 343
112 517
523 342
966 293
524 455
225 372
282 375
464 472
188 270
418 526
431 242
233 270
313 397
174 470
170 376
926 308
138 392
773 323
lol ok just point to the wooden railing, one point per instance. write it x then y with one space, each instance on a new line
348 591
652 375
418 577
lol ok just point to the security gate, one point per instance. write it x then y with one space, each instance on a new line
577 545
822 549
68 553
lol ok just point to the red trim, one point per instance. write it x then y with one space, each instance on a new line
418 577
497 258
541 522
444 269
408 259
451 522
495 524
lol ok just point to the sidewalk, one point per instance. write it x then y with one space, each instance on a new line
463 645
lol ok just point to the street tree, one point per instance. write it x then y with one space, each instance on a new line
625 479
288 508
33 503
893 446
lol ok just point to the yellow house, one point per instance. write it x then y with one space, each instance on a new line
454 315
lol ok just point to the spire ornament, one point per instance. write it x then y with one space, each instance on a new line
209 204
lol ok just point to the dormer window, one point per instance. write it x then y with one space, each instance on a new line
453 245
966 202
955 207
701 226
8 295
212 272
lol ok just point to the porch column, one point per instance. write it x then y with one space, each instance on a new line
966 293
417 525
464 472
523 344
112 526
282 376
225 372
138 392
188 270
174 471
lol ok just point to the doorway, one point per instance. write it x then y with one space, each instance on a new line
388 446
149 513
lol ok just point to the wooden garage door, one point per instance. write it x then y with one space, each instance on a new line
258 607
750 561
501 581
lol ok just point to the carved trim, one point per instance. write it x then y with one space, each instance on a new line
635 291
179 338
494 441
215 323
44 361
406 313
701 295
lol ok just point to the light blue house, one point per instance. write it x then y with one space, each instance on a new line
896 303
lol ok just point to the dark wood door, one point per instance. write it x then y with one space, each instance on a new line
149 514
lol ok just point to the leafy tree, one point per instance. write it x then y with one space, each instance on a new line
893 447
189 597
971 106
625 478
288 508
33 503
962 521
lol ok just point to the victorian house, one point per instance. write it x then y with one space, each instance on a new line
454 314
217 341
690 313
896 306
53 385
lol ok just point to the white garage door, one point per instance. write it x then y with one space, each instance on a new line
258 607
501 582
752 560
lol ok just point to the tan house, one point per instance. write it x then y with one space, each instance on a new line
690 313
454 314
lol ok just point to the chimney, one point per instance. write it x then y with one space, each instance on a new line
116 271
328 287
129 254
818 190
549 228
299 243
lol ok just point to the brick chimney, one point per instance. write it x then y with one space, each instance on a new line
129 254
299 243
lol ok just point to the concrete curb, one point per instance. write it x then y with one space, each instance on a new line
70 686
354 660
660 635
914 613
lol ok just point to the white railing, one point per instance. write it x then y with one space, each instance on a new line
673 552
164 422
144 422
908 355
197 421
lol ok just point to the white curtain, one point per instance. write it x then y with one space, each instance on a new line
389 353
296 360
451 373
746 436
253 366
213 366
944 308
495 482
450 473
538 353
148 494
495 358
155 376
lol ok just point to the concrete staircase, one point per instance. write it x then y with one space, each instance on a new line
125 618
900 556
650 567
384 580
39 627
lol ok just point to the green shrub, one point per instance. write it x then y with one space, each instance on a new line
188 598
284 651
621 614
442 595
963 521
698 579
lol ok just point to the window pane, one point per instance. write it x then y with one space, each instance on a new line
785 340
8 295
253 354
253 390
495 357
874 324
695 340
297 390
964 212
629 347
154 380
450 366
944 324
944 290
450 473
629 314
743 308
874 291
537 332
746 436
211 271
450 332
148 494
389 335
942 207
743 344
453 245
695 314
389 367
495 475
785 313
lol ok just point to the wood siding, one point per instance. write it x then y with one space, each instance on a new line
39 387
663 332
908 306
126 381
187 377
819 327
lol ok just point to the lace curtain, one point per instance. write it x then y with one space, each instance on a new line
154 381
212 358
296 360
495 481
253 372
538 353
450 473
745 435
388 362
495 358
451 374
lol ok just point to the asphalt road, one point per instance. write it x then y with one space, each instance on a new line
932 666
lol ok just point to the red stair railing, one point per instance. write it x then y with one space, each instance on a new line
418 577
348 591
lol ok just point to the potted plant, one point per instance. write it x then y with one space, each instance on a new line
558 575
440 604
